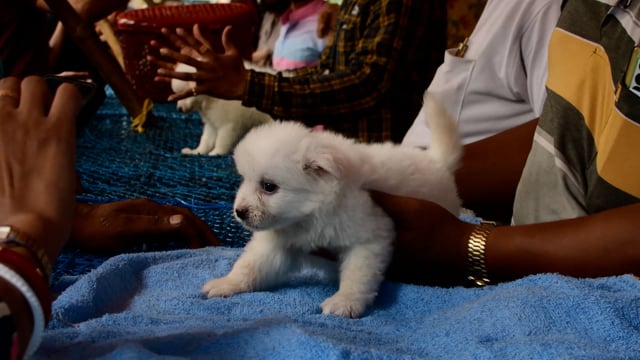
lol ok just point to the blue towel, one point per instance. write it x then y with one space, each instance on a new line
149 306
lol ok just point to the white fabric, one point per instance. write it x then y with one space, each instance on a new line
38 315
500 82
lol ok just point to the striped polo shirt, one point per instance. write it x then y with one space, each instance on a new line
585 156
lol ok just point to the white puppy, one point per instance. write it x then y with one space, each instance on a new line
225 121
303 190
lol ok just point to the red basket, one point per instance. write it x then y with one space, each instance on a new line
136 28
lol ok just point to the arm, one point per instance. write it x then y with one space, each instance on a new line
601 244
37 137
357 84
116 226
435 252
358 75
491 169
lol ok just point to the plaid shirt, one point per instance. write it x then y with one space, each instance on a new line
369 82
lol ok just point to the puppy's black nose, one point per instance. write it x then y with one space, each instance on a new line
242 213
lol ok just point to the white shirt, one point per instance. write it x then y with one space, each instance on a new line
500 81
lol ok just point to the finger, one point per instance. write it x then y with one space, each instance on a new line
189 51
39 98
188 39
176 40
201 235
163 79
160 63
183 95
185 232
10 92
227 44
139 206
65 107
205 44
383 199
206 236
177 57
397 207
135 226
148 216
183 46
322 25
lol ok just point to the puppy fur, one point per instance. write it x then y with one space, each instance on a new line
225 121
304 190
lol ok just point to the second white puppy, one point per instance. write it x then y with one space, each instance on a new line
225 121
304 190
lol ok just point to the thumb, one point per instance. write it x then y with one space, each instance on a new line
392 205
227 44
139 225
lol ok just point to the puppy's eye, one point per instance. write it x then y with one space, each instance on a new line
268 187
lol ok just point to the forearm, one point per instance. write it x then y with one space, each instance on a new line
359 71
491 169
603 244
310 93
46 233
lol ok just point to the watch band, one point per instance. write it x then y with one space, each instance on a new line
476 253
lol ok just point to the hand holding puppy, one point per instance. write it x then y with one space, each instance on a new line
429 249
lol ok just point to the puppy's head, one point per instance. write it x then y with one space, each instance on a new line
191 103
289 172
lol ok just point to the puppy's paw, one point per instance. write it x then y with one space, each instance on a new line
343 305
223 287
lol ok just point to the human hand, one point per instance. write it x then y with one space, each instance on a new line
220 75
259 56
328 20
430 245
37 159
113 227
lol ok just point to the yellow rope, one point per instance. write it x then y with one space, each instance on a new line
138 122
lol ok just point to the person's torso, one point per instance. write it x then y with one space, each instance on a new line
584 157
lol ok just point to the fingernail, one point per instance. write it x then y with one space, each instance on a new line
163 51
175 219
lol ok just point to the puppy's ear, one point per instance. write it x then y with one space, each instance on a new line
324 156
321 165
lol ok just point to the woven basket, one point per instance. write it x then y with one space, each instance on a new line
136 28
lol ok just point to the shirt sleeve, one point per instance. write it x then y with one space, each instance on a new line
535 44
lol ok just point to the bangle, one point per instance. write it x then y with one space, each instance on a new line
28 270
12 237
38 317
10 339
476 253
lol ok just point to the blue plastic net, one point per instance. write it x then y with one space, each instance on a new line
116 163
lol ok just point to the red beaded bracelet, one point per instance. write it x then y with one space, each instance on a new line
28 270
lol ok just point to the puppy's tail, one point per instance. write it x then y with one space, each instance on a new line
446 145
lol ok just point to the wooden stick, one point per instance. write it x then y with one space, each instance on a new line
110 37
